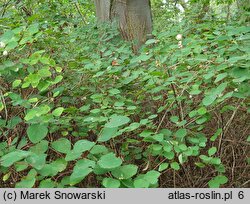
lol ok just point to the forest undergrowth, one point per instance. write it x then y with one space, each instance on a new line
79 108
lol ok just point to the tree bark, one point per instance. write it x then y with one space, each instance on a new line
103 10
134 18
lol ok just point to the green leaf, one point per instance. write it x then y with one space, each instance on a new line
11 45
53 168
163 166
72 155
34 28
114 91
150 41
40 147
36 132
157 137
12 157
182 158
141 183
220 77
45 72
144 57
44 60
248 139
216 134
57 112
183 147
156 148
109 161
131 107
98 170
81 170
200 165
27 181
107 134
7 36
99 149
125 172
181 133
215 161
219 89
212 151
13 122
132 127
16 83
31 114
208 100
20 166
175 166
62 145
202 120
152 176
167 147
83 145
169 155
174 119
48 183
6 176
220 168
202 111
37 112
205 158
217 181
145 180
58 79
117 121
37 160
111 183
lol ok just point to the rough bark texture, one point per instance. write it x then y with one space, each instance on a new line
102 10
133 16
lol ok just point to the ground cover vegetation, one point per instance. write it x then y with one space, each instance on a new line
80 107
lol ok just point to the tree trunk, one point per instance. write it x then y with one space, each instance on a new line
102 10
134 18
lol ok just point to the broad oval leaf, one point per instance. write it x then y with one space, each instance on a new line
36 132
62 145
125 172
107 134
109 161
117 121
12 157
111 183
83 145
57 112
81 170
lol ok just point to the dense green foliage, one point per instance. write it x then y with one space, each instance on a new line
79 108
